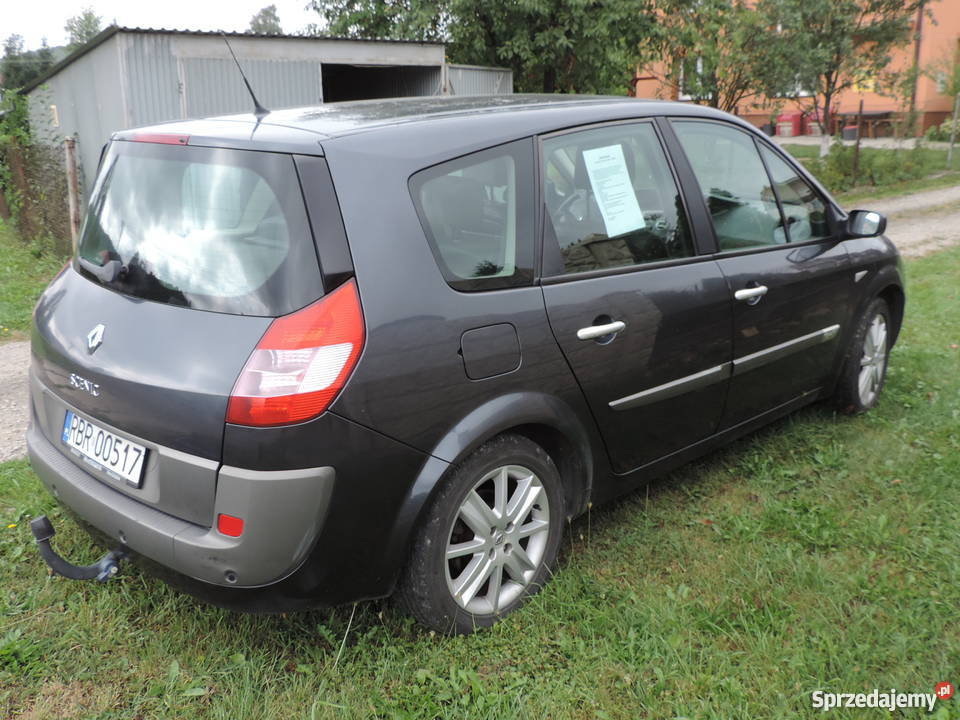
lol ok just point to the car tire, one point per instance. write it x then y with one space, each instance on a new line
489 539
865 364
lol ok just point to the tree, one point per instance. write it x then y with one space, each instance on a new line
709 51
82 28
945 71
551 45
836 44
266 22
421 20
20 67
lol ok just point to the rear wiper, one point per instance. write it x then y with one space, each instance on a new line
105 273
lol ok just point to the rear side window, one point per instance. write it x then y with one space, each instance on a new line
477 213
211 229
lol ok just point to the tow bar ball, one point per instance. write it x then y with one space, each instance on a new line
101 571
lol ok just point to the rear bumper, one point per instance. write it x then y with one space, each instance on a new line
283 513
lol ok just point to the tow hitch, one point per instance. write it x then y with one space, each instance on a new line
102 570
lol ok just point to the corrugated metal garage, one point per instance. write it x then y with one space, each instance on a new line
126 77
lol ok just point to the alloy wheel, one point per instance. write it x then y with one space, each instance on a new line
498 540
873 360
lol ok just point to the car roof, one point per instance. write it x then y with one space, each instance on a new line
496 117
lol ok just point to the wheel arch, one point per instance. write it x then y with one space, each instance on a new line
544 419
896 300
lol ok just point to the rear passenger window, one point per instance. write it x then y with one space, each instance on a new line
611 201
477 214
734 184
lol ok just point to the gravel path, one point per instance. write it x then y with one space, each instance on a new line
919 224
922 223
14 357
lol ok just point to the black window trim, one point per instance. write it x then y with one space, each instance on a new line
699 254
834 210
525 274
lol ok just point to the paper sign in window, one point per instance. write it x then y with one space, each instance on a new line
607 170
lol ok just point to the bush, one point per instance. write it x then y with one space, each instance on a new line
876 167
941 132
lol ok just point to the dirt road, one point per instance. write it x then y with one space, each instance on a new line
919 224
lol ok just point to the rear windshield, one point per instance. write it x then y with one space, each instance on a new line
207 228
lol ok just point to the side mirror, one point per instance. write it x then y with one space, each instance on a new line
865 224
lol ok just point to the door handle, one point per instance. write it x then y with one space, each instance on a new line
751 295
598 331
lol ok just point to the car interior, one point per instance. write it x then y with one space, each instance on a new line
578 223
471 213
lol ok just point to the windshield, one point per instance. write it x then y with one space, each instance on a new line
207 228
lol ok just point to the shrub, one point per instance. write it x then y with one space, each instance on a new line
876 167
941 132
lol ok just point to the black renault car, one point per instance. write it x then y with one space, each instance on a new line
391 347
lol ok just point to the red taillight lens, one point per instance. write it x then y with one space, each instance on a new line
301 362
230 525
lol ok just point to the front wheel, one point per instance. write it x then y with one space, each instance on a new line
865 367
489 540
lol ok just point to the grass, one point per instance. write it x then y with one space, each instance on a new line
937 181
883 172
820 553
24 271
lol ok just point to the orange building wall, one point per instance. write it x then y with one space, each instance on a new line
940 36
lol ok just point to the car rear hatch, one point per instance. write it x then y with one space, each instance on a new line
185 257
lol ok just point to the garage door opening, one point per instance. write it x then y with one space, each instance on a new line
366 82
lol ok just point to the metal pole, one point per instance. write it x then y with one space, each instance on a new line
73 188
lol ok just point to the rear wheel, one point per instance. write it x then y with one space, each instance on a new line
490 538
865 367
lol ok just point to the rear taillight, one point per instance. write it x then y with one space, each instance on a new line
301 362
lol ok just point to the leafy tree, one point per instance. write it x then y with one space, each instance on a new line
709 50
945 71
422 20
82 28
266 22
836 44
551 45
20 67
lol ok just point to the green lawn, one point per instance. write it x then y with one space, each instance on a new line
821 553
24 272
883 173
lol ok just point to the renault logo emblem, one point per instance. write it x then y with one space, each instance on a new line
95 338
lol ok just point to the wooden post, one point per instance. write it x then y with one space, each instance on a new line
856 148
4 208
953 131
73 188
18 173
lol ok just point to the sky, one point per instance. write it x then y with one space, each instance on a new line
46 19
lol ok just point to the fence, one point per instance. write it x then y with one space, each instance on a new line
37 196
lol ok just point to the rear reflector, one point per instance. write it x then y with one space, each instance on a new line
301 363
230 525
162 138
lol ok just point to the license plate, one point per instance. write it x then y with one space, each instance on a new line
118 457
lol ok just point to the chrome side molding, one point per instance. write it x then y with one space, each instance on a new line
674 388
708 377
777 352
